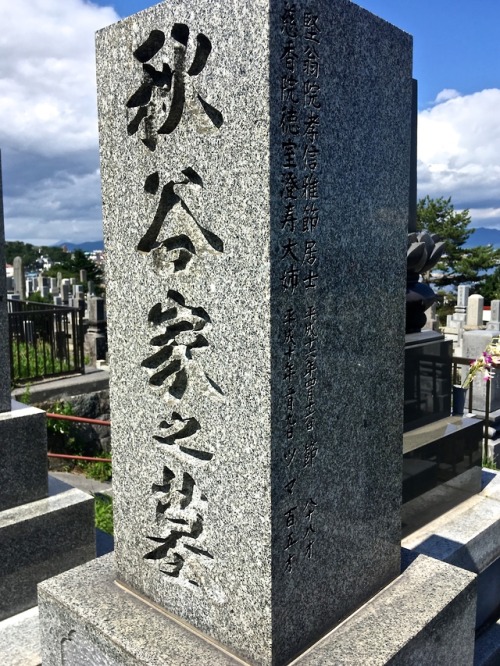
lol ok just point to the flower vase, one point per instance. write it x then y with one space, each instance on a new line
458 403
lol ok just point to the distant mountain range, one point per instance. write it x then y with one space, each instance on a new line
480 236
89 246
484 236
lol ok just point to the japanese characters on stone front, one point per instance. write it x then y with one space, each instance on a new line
175 536
301 189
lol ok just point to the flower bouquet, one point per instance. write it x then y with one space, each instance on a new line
484 364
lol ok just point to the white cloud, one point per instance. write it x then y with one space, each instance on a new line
486 217
48 128
47 75
459 153
445 95
61 207
48 119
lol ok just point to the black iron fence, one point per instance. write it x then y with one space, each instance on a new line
45 341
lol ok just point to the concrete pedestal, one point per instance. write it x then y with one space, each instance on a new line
23 448
41 539
424 616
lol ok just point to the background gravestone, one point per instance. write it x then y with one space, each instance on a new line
475 305
256 310
19 278
4 322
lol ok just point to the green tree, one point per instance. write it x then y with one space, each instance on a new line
459 264
27 252
490 289
74 263
30 254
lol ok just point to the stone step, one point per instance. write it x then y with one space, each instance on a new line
20 640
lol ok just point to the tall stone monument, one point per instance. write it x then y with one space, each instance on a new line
255 176
252 346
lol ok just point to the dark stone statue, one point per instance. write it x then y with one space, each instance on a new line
424 252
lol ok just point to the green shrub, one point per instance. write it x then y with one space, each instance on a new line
62 434
25 396
28 361
489 463
99 471
104 513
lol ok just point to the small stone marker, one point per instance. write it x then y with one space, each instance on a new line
65 292
83 275
460 314
257 445
475 306
19 278
494 323
5 400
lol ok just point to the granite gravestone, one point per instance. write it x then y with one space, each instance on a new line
96 344
494 323
475 306
256 310
4 322
19 278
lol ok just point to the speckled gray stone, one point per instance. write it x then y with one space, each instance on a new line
4 322
257 359
23 449
87 620
39 540
20 639
468 536
426 616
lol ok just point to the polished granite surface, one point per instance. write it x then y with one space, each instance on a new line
441 467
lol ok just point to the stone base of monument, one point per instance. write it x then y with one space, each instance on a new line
23 472
488 647
426 615
41 539
20 639
468 536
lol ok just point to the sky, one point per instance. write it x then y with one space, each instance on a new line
48 117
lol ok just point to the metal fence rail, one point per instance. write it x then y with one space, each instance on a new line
45 341
77 419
